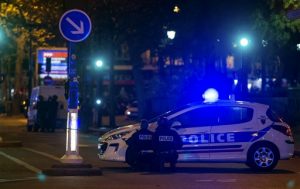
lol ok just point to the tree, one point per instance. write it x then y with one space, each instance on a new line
276 31
23 21
137 23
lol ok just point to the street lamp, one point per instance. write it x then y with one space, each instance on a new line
99 63
171 34
98 101
244 42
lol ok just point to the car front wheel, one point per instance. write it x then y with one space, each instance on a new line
263 157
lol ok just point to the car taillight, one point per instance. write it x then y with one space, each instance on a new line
286 130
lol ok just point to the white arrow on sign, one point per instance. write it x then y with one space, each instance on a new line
79 30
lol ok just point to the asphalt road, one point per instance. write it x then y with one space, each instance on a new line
20 167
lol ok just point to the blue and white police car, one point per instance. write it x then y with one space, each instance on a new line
221 131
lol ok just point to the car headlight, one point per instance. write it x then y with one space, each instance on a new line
117 136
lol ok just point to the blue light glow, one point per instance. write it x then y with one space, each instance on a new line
211 95
41 177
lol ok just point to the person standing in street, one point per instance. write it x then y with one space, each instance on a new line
166 143
140 151
41 114
52 113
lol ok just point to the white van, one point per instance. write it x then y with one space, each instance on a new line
46 92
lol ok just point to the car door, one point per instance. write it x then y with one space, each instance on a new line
193 126
232 133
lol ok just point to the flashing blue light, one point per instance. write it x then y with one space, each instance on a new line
211 95
235 81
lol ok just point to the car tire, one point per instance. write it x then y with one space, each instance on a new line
263 157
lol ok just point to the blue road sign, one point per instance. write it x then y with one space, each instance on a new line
75 25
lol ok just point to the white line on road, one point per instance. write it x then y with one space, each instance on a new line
15 180
208 180
218 180
43 154
226 180
22 163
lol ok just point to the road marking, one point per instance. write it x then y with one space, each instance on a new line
218 180
226 180
22 163
15 180
208 180
43 154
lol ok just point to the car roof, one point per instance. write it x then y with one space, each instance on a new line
229 103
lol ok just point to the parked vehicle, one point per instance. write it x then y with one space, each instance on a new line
46 92
221 131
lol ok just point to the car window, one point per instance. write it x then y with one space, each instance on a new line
204 116
234 115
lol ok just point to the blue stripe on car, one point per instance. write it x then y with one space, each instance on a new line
230 137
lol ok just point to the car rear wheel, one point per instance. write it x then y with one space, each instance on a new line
263 157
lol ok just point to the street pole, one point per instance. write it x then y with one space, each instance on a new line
30 69
72 150
112 120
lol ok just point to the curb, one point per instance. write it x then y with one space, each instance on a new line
10 144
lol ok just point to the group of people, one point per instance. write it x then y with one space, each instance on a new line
154 149
46 114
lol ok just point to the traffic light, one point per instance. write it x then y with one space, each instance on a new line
48 64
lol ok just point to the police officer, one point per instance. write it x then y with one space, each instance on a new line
140 151
52 113
41 114
166 143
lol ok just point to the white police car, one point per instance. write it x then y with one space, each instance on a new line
222 131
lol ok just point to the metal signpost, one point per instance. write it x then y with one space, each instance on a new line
75 26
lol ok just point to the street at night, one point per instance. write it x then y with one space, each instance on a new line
20 167
150 94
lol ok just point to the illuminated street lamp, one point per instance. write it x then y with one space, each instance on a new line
176 9
244 42
99 63
98 101
171 34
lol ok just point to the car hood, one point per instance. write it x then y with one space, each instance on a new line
127 128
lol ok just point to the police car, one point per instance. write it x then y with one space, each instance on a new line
221 131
